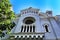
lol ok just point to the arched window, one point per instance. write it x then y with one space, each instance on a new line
46 27
21 28
28 28
33 28
29 20
24 28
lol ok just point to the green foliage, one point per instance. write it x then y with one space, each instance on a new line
6 15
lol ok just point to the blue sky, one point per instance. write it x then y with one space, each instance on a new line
43 5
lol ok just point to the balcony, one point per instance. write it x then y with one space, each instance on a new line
27 35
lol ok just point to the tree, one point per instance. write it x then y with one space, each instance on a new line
6 16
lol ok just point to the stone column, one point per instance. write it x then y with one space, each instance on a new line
21 37
34 38
30 37
25 37
29 28
26 28
32 28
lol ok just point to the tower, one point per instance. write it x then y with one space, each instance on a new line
34 25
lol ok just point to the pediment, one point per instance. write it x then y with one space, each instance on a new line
33 10
30 8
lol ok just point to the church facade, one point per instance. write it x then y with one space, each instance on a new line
32 24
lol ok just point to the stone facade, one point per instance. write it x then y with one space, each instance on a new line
32 24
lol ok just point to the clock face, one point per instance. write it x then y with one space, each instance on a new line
29 20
